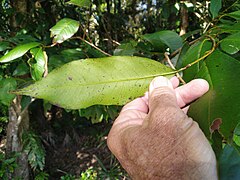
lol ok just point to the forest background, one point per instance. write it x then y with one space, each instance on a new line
52 135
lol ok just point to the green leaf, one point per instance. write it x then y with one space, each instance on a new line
64 29
7 85
231 27
222 100
18 52
169 38
80 3
4 45
126 49
73 54
231 44
237 129
229 164
98 113
108 81
215 7
21 69
38 67
235 15
195 52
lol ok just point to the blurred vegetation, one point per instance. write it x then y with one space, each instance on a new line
106 27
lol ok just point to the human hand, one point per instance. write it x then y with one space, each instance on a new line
153 138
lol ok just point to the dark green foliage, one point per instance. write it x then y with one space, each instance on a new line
36 153
43 35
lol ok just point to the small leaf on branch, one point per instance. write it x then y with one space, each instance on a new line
161 38
215 7
18 52
107 81
38 67
64 29
80 3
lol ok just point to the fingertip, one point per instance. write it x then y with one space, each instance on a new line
160 82
191 91
200 85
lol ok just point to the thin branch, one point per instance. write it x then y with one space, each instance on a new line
91 44
201 58
172 66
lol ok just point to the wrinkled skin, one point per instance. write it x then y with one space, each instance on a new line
153 138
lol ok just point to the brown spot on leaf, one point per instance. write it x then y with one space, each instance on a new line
215 124
69 78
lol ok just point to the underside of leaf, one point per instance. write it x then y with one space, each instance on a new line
106 81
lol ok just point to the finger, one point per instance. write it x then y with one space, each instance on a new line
191 91
139 104
175 82
135 111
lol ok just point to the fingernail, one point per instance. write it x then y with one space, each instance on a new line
161 81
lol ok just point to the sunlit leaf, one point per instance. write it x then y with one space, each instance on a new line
18 52
38 67
107 81
169 38
231 44
64 29
80 3
222 101
215 7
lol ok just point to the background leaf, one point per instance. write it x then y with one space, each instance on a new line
7 85
215 7
169 38
193 53
235 15
4 45
107 81
231 44
229 164
223 98
80 3
64 29
18 52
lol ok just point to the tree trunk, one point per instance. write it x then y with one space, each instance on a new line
18 123
184 19
20 8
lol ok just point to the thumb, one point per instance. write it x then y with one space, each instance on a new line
163 106
161 93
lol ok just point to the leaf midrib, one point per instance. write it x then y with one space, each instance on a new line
107 82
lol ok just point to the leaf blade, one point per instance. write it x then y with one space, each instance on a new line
64 29
222 100
18 52
80 3
107 81
231 44
170 38
215 7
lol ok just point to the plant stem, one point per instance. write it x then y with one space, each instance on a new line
172 66
201 58
91 44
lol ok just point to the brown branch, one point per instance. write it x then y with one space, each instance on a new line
91 44
172 66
